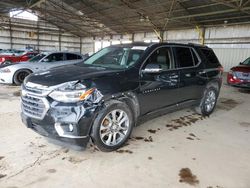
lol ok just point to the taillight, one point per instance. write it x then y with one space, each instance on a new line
2 59
231 77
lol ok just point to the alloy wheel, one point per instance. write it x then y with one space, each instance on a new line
114 127
210 101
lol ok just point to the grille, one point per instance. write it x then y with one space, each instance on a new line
34 90
34 107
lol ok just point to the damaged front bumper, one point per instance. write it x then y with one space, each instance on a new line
66 122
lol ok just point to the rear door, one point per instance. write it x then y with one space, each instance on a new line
192 75
158 90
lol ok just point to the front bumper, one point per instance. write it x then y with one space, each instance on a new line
6 78
67 123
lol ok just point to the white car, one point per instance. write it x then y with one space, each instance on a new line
15 74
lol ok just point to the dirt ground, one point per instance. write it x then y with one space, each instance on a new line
181 149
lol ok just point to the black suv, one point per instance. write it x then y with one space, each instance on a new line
105 96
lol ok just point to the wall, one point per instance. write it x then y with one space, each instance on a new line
19 33
231 43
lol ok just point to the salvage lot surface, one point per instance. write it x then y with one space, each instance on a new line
181 149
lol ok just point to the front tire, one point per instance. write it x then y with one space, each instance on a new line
112 127
20 75
208 101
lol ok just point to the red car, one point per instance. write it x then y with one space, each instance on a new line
9 59
240 75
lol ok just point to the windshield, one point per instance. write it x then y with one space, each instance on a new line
37 58
247 61
116 57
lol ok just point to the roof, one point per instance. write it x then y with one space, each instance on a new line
99 18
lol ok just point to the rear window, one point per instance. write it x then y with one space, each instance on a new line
184 57
210 55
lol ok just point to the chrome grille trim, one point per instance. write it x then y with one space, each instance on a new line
34 106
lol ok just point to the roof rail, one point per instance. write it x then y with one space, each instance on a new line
195 44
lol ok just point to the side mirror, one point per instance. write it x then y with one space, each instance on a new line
241 63
152 68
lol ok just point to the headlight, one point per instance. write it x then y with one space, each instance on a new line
71 92
5 70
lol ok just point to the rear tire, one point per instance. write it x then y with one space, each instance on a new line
208 101
20 75
112 126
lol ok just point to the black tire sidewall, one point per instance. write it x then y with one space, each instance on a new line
97 123
203 109
15 77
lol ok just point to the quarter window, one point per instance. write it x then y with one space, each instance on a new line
184 57
161 57
210 55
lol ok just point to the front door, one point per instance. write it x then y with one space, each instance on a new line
159 89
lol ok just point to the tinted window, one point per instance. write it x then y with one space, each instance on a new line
247 62
209 54
195 58
161 57
73 56
31 55
116 57
184 57
55 57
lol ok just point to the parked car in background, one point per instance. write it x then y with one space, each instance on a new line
15 74
9 59
11 52
240 75
103 97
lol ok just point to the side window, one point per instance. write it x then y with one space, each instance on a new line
184 57
161 57
72 56
55 57
195 58
210 55
247 61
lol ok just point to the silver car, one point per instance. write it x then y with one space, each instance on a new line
15 74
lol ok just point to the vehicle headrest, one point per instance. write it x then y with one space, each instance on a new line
161 59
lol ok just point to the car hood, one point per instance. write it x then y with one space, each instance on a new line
241 68
68 73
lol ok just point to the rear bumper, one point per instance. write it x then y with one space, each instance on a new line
240 85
